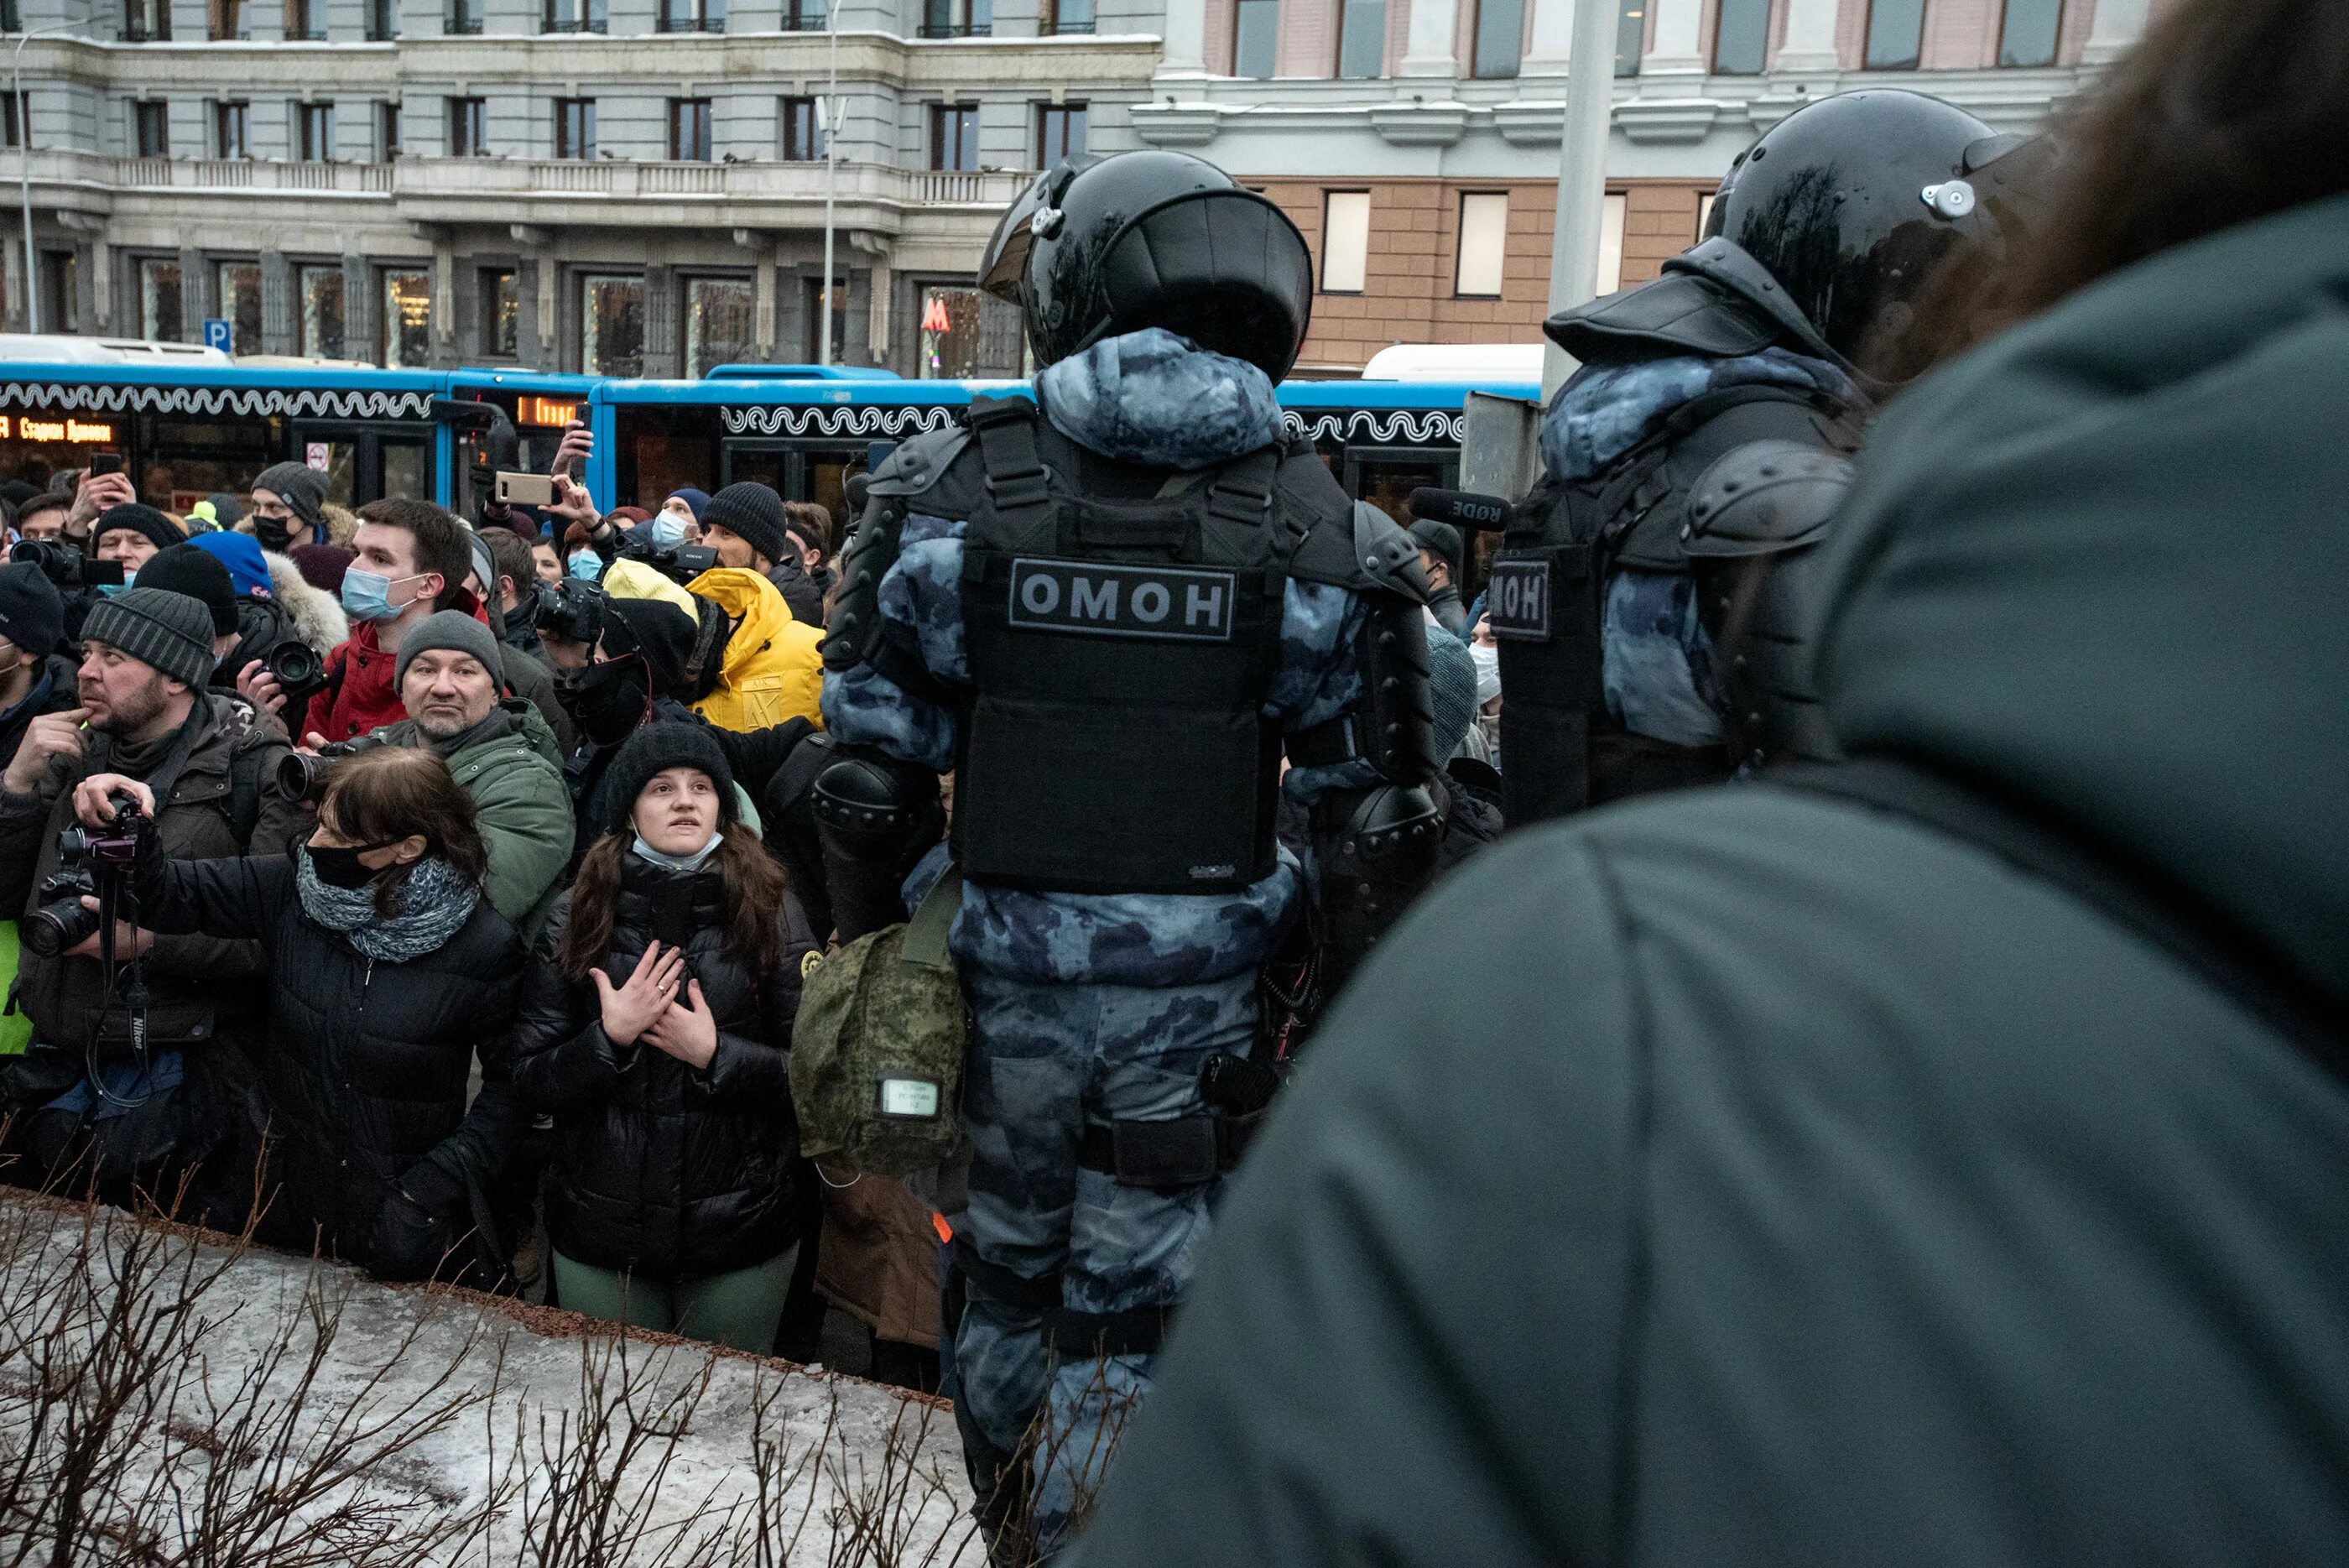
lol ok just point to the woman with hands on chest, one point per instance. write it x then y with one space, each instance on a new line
655 1027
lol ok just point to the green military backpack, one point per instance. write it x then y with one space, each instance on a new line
878 1052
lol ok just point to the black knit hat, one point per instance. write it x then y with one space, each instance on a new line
661 632
169 633
658 747
198 574
32 614
139 518
752 513
298 487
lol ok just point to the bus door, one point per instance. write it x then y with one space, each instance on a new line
364 462
814 469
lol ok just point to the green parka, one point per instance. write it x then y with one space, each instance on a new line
1747 1178
515 773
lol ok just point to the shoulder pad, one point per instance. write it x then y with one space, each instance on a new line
1313 505
1764 497
917 464
1679 313
1386 559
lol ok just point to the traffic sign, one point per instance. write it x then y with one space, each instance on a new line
217 333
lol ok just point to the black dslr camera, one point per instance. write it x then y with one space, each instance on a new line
86 859
63 563
571 610
300 673
303 776
681 564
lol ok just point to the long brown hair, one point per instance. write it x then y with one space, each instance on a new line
2228 111
385 794
754 885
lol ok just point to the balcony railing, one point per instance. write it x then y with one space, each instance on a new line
225 174
958 29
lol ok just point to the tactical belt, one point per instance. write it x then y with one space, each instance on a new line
1166 1155
1136 1330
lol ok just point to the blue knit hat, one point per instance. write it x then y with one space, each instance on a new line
240 554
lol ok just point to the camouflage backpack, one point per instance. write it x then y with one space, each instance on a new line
878 1052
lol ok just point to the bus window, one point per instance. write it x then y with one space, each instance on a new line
768 465
826 475
668 463
1385 476
185 460
408 468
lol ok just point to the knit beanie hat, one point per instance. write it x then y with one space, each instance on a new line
32 614
655 749
1451 689
298 487
323 565
485 566
696 501
139 518
240 554
451 629
226 508
661 632
750 512
169 633
186 570
16 492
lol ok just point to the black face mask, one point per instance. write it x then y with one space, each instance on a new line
342 868
612 699
273 534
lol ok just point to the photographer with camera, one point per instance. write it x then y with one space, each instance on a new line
284 622
139 1056
93 493
43 514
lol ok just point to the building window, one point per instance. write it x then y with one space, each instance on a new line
1483 246
953 333
1255 37
231 125
954 136
803 130
575 17
60 296
1345 241
12 16
10 130
1067 16
240 305
958 18
321 291
575 128
152 122
224 19
1630 37
159 318
612 326
467 128
1741 38
2028 35
463 18
382 21
1361 39
719 313
406 343
806 15
1500 38
145 21
691 16
1895 33
1611 218
501 313
305 21
313 127
1059 132
689 131
387 132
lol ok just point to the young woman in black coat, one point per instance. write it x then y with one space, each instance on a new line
655 1027
389 975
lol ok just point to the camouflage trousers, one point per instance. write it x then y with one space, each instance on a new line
1049 1060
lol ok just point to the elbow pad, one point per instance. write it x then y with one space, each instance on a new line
1378 849
876 817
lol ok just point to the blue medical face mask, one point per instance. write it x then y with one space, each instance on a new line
110 589
367 596
666 530
586 565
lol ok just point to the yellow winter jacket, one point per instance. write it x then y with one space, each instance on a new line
772 671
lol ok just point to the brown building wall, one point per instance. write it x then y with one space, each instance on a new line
1414 251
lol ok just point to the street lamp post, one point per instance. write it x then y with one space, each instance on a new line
1581 172
831 174
25 163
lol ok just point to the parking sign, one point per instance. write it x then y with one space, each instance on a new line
217 333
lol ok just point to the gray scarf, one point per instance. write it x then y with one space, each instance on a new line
433 904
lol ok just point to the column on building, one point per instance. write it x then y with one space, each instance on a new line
195 294
1810 41
1186 39
279 307
664 346
764 318
1428 46
444 300
2115 29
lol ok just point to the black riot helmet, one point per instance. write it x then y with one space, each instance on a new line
1100 246
1852 203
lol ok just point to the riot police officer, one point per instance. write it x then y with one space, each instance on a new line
1110 611
1647 600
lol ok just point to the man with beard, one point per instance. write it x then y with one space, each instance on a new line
140 1110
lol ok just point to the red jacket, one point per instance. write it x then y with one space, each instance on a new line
359 694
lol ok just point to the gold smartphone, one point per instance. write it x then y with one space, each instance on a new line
524 489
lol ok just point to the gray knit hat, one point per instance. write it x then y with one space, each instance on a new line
450 629
1451 689
298 487
169 632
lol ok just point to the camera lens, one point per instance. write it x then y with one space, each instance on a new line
56 926
297 775
297 667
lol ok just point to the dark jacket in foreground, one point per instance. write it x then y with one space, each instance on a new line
660 1168
374 1155
1749 1178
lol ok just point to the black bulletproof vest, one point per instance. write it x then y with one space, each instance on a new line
1121 653
1560 749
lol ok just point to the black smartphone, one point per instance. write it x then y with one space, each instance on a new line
105 463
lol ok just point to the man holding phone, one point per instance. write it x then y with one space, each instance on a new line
103 487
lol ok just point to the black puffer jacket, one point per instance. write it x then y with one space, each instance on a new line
660 1168
374 1152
